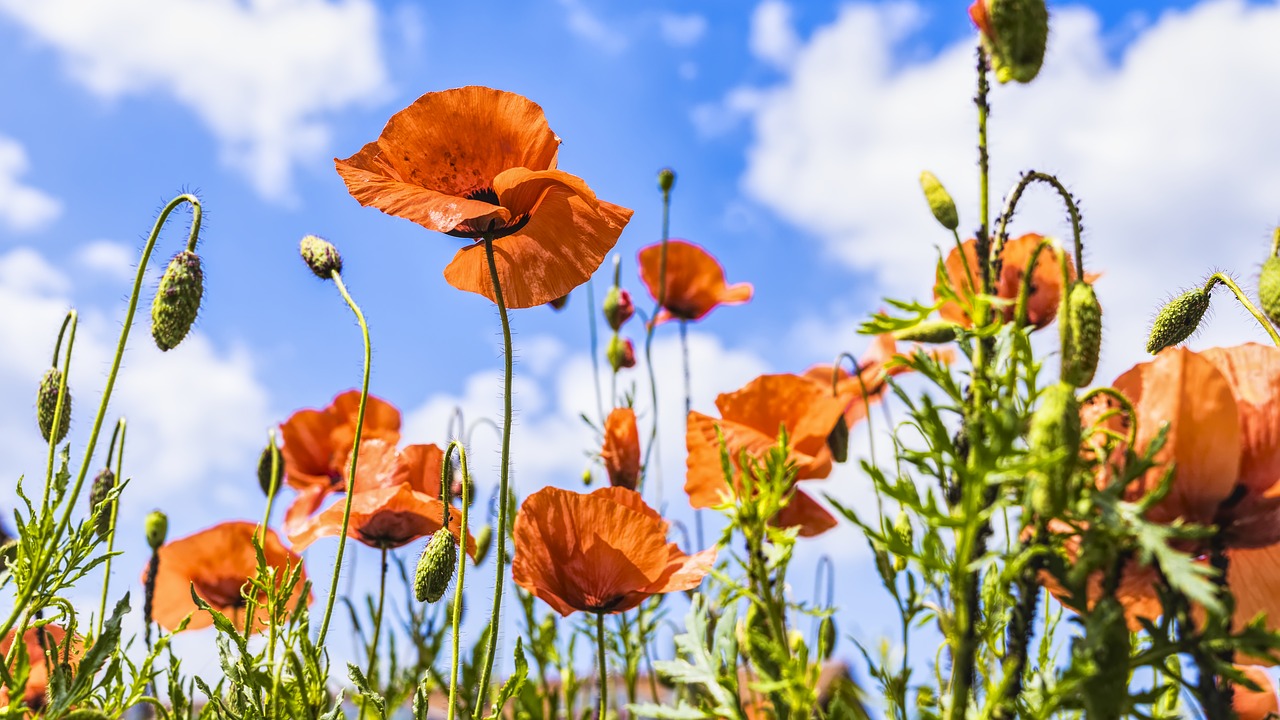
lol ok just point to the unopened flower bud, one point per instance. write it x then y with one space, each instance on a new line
1054 435
1015 32
930 331
827 637
267 460
618 307
321 256
177 300
586 477
560 302
103 484
795 639
1081 334
666 179
47 406
484 539
621 353
940 202
157 529
838 440
435 567
1178 319
1269 289
905 534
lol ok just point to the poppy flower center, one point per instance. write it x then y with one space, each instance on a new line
221 592
492 227
391 529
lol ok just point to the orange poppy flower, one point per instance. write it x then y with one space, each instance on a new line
396 501
621 452
1258 704
475 162
317 448
873 374
605 552
695 281
35 694
217 562
1046 280
750 420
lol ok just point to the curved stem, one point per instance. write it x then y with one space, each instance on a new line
504 501
355 456
603 667
650 326
1073 213
1123 401
866 396
462 571
111 529
1220 278
61 408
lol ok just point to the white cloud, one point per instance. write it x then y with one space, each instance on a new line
109 260
22 207
584 23
1168 148
773 34
263 75
682 30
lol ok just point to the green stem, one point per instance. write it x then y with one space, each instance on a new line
111 529
462 571
377 624
355 456
1073 214
595 348
1220 278
495 618
604 668
72 319
648 346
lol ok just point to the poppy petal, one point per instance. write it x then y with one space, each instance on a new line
695 281
383 189
520 190
1259 704
806 410
306 450
806 513
1254 578
621 451
382 518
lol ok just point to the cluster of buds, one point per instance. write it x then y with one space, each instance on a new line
618 309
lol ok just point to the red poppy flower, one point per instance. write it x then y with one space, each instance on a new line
474 162
1046 280
695 281
603 553
396 501
217 562
317 448
621 452
874 374
34 695
750 420
1260 704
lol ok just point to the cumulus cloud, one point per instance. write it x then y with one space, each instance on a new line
1168 148
22 207
586 24
264 76
773 34
108 260
682 30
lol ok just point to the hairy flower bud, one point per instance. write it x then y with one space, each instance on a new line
1269 289
484 539
621 353
930 331
1015 32
1081 334
103 484
266 480
435 567
177 300
1054 436
618 307
1178 319
666 179
838 440
47 406
940 202
827 637
321 256
157 529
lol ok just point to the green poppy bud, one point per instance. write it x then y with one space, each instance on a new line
838 440
47 406
1081 335
177 300
1016 34
618 307
1269 289
1178 319
435 567
266 480
157 529
827 637
103 484
484 539
934 332
321 256
940 202
1055 433
666 179
621 353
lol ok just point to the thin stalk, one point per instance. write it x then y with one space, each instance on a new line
111 530
355 456
71 319
1073 214
274 486
462 572
595 349
504 491
1223 279
604 668
377 624
650 326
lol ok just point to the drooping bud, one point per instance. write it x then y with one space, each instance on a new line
621 353
559 303
177 300
1269 289
435 567
1081 334
321 256
1178 319
266 480
47 406
1015 32
827 637
1054 435
838 440
103 484
157 529
586 477
666 179
930 331
940 202
484 539
618 307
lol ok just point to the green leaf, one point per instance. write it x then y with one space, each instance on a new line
513 683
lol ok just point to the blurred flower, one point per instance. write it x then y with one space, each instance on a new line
1046 280
873 373
35 694
621 451
217 563
621 353
474 162
317 448
750 419
605 552
1258 704
695 281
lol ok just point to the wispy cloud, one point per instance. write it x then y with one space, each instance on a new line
22 208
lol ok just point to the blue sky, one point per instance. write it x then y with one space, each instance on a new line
797 131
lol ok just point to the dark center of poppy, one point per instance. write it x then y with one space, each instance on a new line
492 228
609 605
391 529
221 592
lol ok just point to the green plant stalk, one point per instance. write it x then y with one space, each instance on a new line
71 319
111 530
604 668
43 559
648 347
1221 278
377 626
1073 215
595 349
260 535
504 490
456 620
355 456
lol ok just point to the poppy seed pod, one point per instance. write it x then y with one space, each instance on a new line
1015 32
934 332
838 440
1054 433
157 529
47 406
177 300
618 307
666 179
1269 289
1081 335
621 353
940 202
321 256
484 539
435 567
1178 319
265 478
103 484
